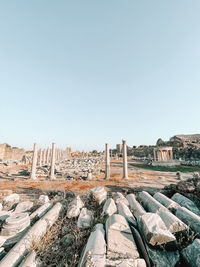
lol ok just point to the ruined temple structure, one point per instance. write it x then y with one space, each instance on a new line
182 141
163 156
11 153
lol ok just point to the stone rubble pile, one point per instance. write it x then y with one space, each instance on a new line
131 231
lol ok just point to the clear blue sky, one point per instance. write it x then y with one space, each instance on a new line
82 73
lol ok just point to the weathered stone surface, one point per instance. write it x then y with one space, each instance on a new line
172 223
149 203
43 199
99 194
155 230
85 218
23 206
15 224
30 260
109 207
40 211
10 200
125 211
95 250
135 206
75 207
120 242
167 202
189 218
163 258
118 197
186 202
126 263
191 254
35 234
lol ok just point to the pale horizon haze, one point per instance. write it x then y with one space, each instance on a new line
86 73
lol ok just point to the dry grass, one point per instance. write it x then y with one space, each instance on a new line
63 243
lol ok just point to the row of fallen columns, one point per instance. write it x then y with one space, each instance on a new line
107 161
46 156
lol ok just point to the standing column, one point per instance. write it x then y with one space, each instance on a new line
107 165
48 154
44 156
40 157
34 162
53 155
125 169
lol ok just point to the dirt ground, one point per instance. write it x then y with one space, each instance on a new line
138 178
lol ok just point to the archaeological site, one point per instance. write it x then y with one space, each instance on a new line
99 133
101 209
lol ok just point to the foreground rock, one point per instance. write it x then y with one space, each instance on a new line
186 202
191 254
135 206
118 197
150 203
154 230
126 263
120 242
109 207
75 207
10 200
85 218
15 224
167 202
173 224
94 253
99 194
189 218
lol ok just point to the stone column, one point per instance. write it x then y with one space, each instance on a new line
44 156
107 165
48 154
40 157
53 156
125 169
34 162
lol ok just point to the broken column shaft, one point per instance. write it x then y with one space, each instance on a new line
125 168
53 155
34 162
107 165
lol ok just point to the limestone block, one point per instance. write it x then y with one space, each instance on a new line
186 202
120 242
85 218
40 211
95 250
173 224
150 203
126 263
118 197
135 206
154 229
10 200
23 206
125 211
30 260
75 207
15 224
109 207
99 194
43 199
167 202
77 202
189 218
191 254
